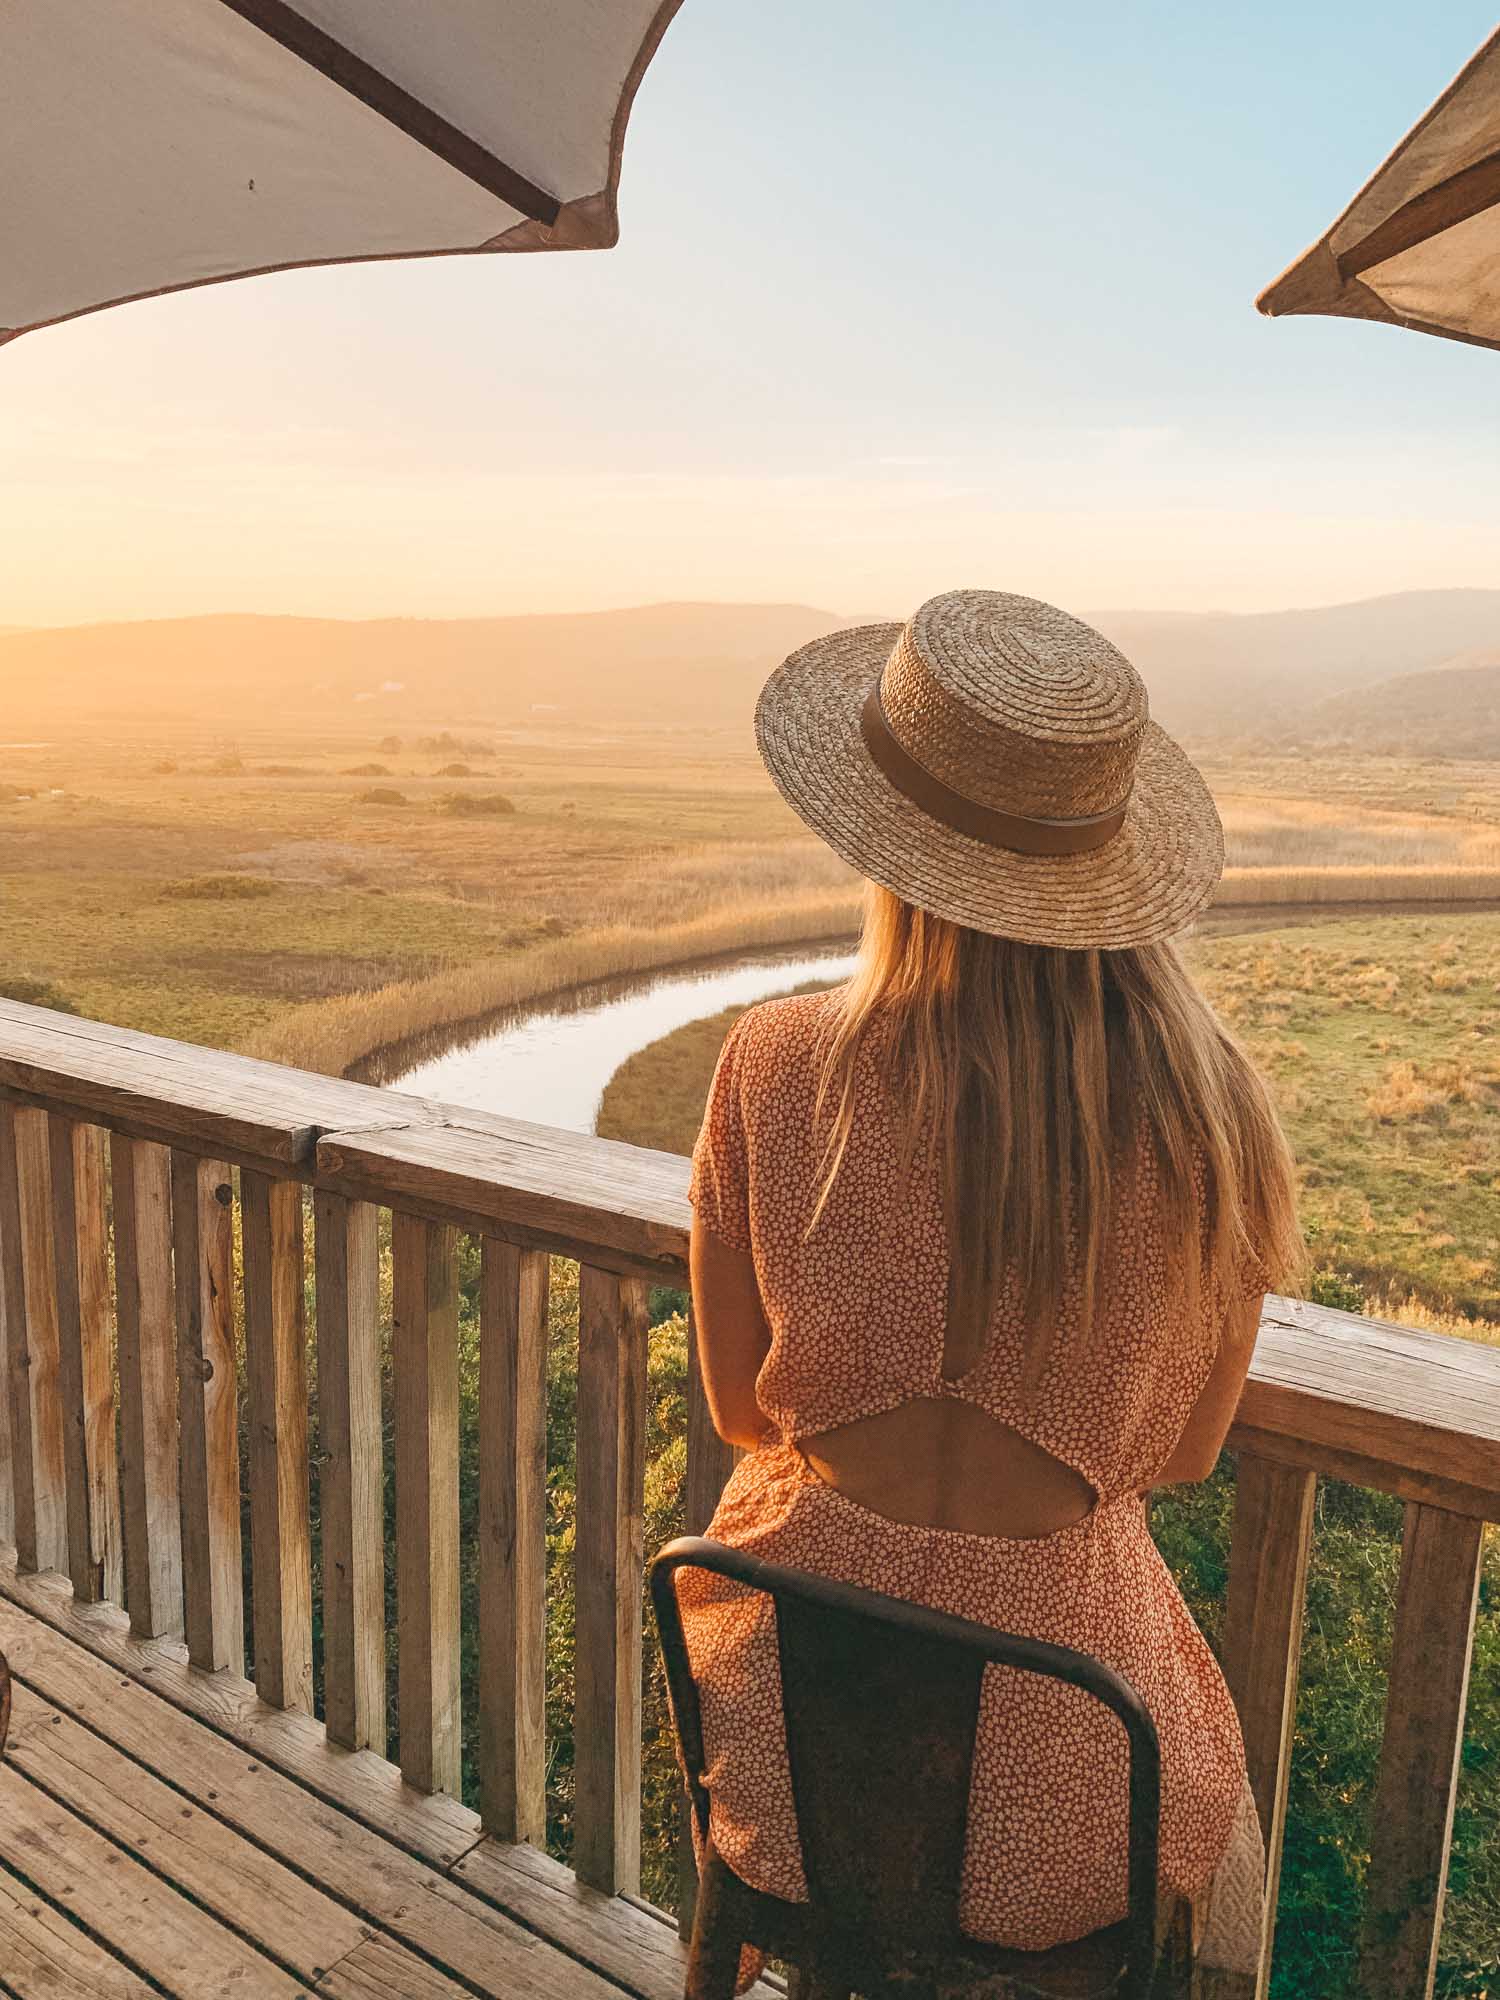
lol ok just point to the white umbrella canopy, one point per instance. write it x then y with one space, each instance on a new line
150 145
1419 246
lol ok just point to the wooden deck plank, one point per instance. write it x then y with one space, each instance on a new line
216 1867
133 1913
630 1947
421 1907
45 1956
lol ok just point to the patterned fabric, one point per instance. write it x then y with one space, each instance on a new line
856 1315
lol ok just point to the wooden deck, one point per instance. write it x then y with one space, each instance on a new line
154 1841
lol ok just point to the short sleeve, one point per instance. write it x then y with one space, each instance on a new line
720 1185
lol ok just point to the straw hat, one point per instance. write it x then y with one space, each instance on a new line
992 761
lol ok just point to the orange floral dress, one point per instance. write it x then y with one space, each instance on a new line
856 1314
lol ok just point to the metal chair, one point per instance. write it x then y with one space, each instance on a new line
881 1703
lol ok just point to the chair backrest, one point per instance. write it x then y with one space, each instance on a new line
881 1704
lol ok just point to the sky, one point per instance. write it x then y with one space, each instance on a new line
908 298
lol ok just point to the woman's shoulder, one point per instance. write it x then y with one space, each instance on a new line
794 1024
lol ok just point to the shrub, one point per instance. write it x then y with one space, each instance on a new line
218 888
227 766
279 770
164 767
467 805
389 746
381 795
453 771
35 993
366 771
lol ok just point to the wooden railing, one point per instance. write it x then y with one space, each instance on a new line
125 1162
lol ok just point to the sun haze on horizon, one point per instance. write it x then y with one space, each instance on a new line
903 299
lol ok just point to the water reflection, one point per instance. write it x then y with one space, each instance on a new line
552 1066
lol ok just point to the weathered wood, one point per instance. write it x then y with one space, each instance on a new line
128 1910
33 1360
276 1370
145 1310
250 1890
47 1957
624 1940
349 1476
208 1412
513 1542
1268 1556
427 1581
611 1432
1425 1694
562 1191
415 1902
202 1099
80 1226
709 1463
1402 1399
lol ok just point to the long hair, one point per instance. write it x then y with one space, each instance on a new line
1037 1079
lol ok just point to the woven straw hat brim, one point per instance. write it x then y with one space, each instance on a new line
1145 884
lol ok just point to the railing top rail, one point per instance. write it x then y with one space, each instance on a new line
1414 1413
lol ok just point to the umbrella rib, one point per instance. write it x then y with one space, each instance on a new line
1426 215
316 47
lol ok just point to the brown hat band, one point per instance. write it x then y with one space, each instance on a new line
980 822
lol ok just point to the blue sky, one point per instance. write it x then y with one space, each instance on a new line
907 297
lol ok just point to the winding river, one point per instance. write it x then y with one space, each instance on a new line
551 1064
550 1060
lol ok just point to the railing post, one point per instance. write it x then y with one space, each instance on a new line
1424 1720
32 1357
427 1579
513 1315
709 1463
208 1413
349 1478
145 1310
612 1330
1268 1556
276 1367
80 1229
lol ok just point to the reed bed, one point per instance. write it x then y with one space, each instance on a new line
332 1035
1346 884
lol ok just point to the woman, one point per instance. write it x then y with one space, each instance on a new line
979 1245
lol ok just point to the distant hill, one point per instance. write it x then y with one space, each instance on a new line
1269 676
1435 711
657 665
1261 673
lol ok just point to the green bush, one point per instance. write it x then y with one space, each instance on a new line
367 771
381 795
219 888
474 805
35 993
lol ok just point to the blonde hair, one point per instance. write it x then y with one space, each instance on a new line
1034 1077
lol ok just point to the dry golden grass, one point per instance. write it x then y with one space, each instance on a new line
1243 887
332 1035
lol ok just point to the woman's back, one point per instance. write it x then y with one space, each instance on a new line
862 1373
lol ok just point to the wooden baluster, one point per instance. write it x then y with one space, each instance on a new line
612 1328
427 1585
141 1178
33 1357
513 1322
349 1479
276 1369
80 1227
208 1413
1268 1556
7 1449
709 1463
1424 1718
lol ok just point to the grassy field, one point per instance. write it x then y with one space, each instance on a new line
313 898
1381 1039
